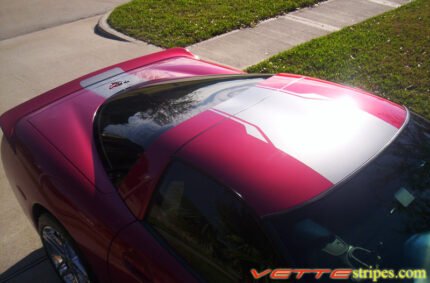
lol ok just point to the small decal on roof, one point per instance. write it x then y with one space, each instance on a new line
118 83
102 76
110 82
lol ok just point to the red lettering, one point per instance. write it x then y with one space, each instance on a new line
319 272
258 275
301 272
280 273
341 274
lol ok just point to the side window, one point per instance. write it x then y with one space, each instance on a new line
208 226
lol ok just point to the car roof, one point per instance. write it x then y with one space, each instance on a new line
67 121
289 139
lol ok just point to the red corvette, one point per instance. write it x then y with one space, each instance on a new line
167 168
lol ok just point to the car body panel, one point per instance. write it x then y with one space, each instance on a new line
68 122
50 158
258 140
382 108
138 256
285 180
9 119
44 178
142 179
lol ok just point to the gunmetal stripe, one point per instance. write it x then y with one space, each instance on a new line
333 137
102 76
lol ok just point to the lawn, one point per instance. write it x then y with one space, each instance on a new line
388 55
168 23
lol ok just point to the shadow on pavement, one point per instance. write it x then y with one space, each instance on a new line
35 267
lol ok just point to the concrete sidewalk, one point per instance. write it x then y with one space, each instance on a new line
20 17
246 47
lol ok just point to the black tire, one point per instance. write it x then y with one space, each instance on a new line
62 251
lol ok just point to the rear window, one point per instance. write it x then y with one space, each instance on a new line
129 122
378 218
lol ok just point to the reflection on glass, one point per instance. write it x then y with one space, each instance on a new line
130 121
208 226
147 116
378 218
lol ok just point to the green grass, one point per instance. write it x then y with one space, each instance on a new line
388 55
171 23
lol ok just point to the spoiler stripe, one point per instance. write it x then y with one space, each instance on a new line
101 77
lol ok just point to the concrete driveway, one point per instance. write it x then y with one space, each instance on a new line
19 17
32 64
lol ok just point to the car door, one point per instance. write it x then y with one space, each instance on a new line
195 229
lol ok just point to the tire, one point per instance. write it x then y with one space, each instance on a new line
62 251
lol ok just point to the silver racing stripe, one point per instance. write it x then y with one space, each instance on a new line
101 77
333 137
110 82
250 129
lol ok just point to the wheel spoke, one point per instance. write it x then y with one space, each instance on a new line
63 269
62 254
53 243
78 266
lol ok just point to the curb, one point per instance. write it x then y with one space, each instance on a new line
104 29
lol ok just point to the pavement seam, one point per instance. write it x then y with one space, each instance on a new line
222 35
312 23
385 3
105 29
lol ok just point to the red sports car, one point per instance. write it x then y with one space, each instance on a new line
167 168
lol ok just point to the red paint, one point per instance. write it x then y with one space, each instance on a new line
266 178
11 117
48 180
68 122
142 180
386 110
48 153
136 256
278 82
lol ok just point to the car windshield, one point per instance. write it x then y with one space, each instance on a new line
380 217
130 121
